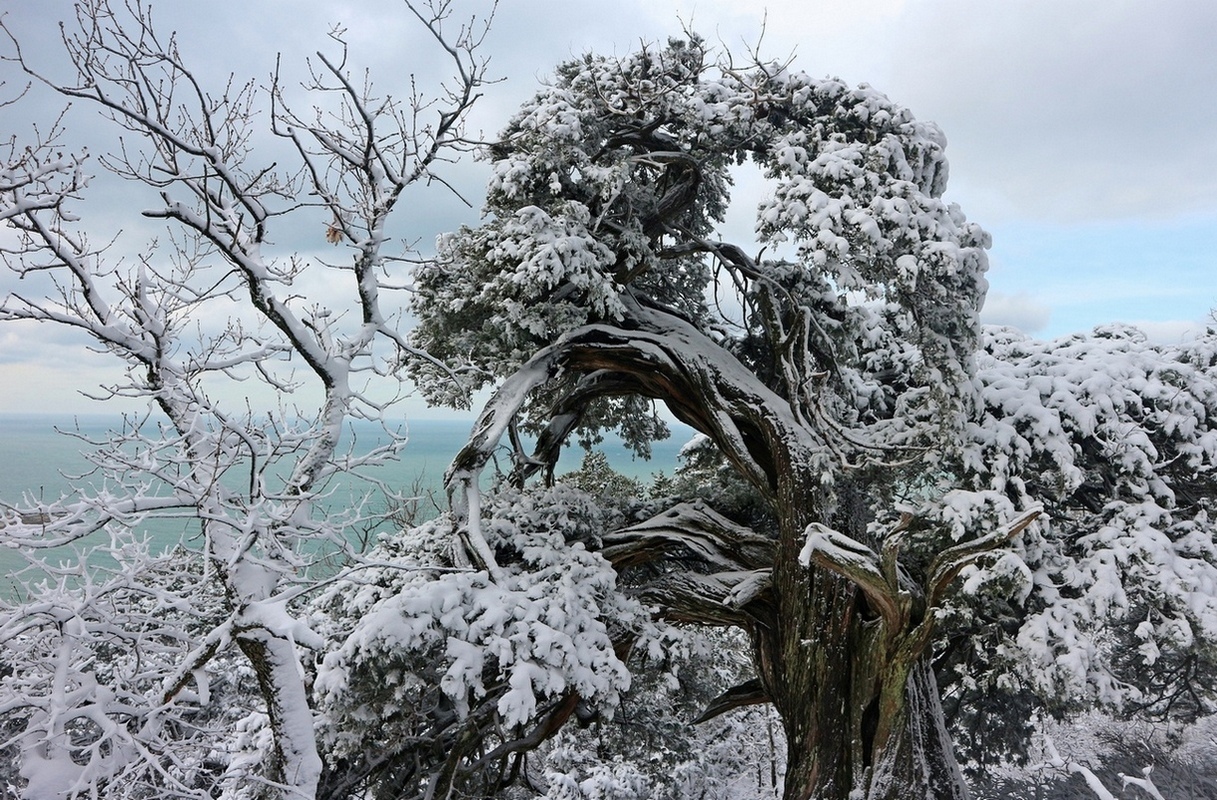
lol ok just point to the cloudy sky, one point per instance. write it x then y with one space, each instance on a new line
1082 133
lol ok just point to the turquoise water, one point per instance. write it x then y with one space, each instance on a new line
38 460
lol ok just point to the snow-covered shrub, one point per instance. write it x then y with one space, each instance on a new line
568 779
107 683
432 652
1111 598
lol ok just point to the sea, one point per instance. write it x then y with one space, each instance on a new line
41 457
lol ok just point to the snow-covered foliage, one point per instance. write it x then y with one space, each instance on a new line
606 188
1095 755
1112 597
649 744
430 653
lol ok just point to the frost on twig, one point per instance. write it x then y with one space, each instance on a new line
254 488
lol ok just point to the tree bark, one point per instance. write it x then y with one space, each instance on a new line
294 769
858 717
847 666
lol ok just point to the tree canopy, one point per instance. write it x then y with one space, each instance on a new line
1109 599
605 192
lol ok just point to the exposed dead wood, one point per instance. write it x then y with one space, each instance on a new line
749 693
692 530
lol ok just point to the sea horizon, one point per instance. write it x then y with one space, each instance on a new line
39 462
43 451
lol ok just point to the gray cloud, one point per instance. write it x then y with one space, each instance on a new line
1062 110
1070 109
1021 310
1056 109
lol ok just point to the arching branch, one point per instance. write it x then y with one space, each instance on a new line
666 358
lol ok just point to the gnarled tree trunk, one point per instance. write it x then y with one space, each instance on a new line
841 636
859 715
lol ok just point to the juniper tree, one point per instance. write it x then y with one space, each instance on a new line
887 445
829 376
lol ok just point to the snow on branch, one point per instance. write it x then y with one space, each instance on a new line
497 664
212 301
835 551
667 360
948 564
1093 783
38 177
1113 435
878 576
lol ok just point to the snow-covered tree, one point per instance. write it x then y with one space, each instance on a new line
1110 600
829 379
109 663
872 453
